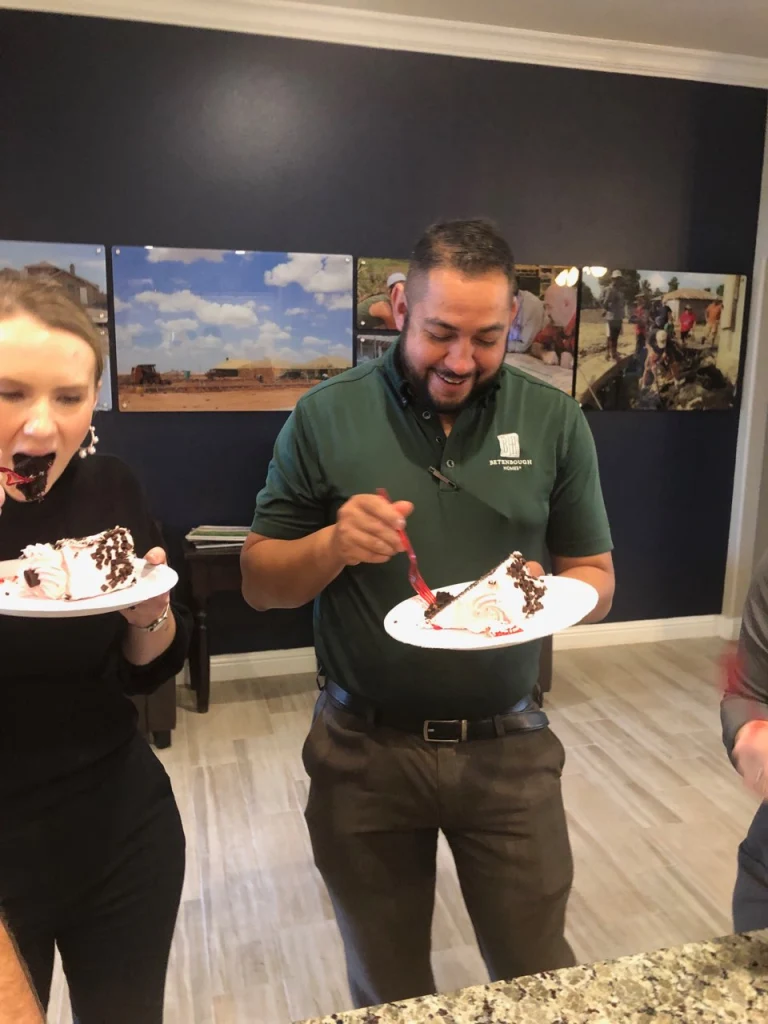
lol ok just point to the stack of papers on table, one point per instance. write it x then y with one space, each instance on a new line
218 536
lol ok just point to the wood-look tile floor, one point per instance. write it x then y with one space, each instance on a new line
656 814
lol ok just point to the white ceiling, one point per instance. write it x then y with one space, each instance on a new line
727 26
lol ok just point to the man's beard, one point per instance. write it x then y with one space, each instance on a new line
420 384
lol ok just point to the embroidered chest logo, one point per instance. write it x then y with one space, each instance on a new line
509 446
509 454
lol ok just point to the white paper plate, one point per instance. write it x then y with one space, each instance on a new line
565 603
153 580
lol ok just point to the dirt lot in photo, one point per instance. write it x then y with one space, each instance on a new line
593 344
238 399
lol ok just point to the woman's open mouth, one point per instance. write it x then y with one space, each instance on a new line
36 468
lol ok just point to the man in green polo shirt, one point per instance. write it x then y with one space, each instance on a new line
482 460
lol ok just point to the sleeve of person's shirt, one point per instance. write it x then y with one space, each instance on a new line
291 505
578 524
518 346
746 693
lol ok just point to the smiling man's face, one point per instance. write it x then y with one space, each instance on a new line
455 331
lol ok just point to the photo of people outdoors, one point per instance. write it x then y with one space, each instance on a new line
376 281
542 338
657 340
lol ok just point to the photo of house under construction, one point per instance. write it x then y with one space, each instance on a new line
81 271
207 330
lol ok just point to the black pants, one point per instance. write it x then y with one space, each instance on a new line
750 896
377 800
100 878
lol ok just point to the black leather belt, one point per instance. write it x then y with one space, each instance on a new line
525 716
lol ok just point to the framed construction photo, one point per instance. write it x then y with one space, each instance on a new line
81 270
376 283
542 339
659 340
214 330
372 346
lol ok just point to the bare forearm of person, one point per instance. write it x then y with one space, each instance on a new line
18 1004
141 648
289 573
604 583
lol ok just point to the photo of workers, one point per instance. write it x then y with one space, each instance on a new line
376 283
658 340
542 338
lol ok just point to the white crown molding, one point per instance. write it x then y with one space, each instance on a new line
424 35
260 664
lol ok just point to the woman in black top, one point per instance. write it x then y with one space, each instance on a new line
91 844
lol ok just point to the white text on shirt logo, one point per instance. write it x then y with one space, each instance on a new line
509 451
511 465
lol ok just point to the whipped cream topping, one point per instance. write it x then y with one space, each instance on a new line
44 575
79 568
495 605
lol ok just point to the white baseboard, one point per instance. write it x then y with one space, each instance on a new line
260 664
729 628
644 631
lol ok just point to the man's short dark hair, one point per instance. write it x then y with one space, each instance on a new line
473 247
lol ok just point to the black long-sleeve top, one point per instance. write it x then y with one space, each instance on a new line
65 719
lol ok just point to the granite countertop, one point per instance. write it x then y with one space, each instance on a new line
703 983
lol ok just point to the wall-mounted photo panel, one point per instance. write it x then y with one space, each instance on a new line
371 346
659 340
81 270
210 330
542 339
377 280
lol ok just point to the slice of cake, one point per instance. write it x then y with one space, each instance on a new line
497 604
72 570
35 468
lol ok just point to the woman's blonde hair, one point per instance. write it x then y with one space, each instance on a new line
50 304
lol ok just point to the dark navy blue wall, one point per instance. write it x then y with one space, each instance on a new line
124 133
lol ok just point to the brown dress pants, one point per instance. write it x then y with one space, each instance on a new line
378 798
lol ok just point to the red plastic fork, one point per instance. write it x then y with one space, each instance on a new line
13 478
414 576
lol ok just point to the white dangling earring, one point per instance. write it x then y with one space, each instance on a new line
90 449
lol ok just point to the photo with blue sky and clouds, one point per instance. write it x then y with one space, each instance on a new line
189 310
88 262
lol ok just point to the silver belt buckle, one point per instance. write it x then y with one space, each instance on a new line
445 721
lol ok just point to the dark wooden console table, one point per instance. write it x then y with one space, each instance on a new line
211 571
